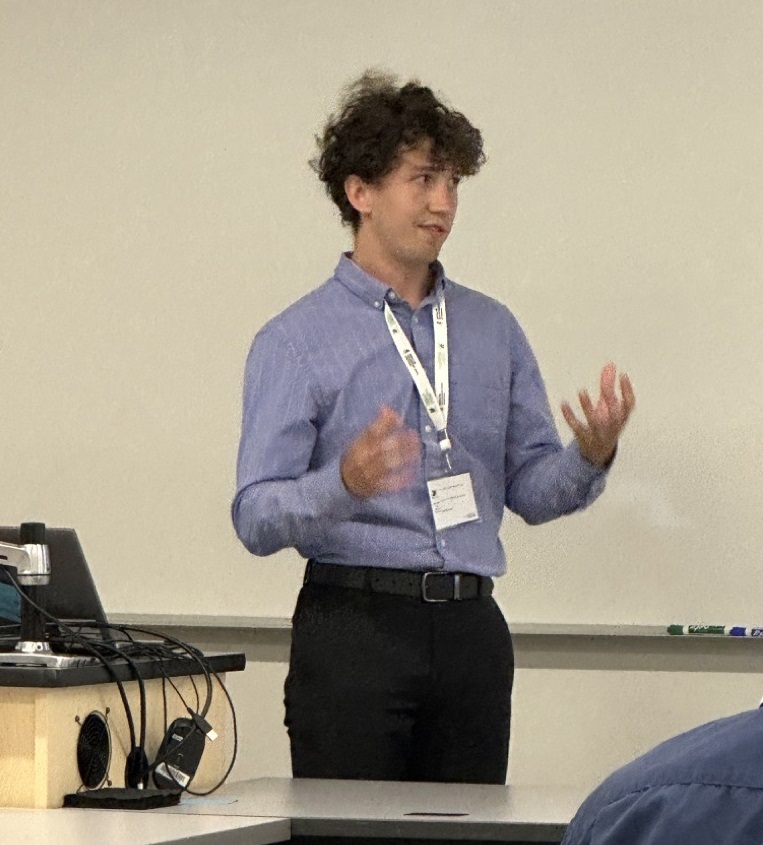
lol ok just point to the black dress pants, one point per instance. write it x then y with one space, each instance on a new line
387 687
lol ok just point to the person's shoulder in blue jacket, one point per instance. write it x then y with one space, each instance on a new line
703 787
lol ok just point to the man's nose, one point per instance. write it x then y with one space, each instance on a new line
443 197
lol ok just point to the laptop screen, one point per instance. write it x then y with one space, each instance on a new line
9 603
71 593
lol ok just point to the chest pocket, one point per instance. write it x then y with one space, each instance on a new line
479 407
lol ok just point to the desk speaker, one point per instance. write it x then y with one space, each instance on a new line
94 749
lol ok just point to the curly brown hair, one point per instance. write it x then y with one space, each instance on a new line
378 120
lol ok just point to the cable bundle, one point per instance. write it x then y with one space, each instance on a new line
114 645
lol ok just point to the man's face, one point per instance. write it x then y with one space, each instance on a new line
411 211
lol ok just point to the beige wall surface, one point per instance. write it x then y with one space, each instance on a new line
157 208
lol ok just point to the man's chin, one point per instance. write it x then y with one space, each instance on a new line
421 257
431 255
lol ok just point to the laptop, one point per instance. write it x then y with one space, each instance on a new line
70 595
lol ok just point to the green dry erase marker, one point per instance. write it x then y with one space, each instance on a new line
697 629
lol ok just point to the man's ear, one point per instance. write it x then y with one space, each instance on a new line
358 193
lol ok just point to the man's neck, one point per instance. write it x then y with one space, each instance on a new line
412 284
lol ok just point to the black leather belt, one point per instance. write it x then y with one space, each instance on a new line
428 586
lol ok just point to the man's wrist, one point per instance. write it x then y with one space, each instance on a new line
600 461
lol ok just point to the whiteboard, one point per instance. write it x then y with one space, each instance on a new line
157 209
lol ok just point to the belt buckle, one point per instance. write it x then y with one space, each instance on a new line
456 587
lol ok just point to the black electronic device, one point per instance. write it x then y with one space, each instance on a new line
179 755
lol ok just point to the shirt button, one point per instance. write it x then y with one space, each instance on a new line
415 319
392 295
377 304
427 428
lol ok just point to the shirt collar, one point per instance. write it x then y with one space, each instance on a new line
372 290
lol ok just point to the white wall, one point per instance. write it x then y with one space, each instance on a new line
158 208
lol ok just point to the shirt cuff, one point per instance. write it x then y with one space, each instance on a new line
337 502
590 479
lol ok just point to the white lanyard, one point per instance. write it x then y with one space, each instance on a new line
435 403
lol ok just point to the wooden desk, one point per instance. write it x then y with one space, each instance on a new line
393 810
128 827
39 731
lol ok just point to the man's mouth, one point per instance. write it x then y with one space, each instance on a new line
435 228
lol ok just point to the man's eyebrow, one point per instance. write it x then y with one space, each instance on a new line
429 167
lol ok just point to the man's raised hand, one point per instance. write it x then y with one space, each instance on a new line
598 435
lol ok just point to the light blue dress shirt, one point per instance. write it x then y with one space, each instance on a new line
704 787
318 374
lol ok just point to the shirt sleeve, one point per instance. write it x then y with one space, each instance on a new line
544 480
678 814
282 499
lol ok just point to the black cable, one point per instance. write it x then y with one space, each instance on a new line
196 656
235 743
164 704
159 656
194 653
160 651
196 690
180 694
82 641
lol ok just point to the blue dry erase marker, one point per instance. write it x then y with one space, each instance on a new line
738 631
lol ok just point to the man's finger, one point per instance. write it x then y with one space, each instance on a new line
629 396
607 378
386 421
587 405
394 482
400 449
572 421
607 383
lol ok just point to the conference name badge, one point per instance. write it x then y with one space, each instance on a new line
452 500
